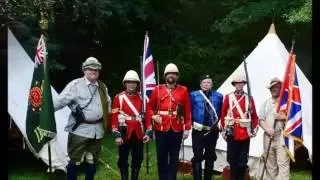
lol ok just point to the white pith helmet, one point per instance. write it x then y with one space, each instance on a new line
171 68
131 75
238 78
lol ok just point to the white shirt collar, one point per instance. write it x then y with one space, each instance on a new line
88 82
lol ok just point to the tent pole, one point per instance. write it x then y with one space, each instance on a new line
10 124
23 144
49 154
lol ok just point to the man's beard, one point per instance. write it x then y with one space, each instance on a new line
171 80
276 95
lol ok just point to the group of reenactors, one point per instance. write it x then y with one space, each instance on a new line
172 113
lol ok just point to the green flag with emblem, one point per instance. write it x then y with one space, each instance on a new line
40 122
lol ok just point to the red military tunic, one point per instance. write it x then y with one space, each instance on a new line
240 133
133 125
168 108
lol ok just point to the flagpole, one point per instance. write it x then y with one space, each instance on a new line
291 80
43 23
143 90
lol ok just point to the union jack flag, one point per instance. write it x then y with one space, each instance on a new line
290 105
148 74
41 51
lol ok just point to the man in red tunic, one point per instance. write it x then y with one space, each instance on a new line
238 126
169 107
128 129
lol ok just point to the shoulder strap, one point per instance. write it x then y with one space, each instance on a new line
90 98
238 106
126 99
120 101
168 94
230 104
212 107
104 105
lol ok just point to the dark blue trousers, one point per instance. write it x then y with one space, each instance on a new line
237 157
136 147
204 147
168 147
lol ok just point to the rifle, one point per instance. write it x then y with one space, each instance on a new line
249 93
268 150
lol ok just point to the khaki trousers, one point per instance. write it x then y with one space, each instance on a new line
78 145
278 163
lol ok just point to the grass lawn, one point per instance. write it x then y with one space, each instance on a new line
23 165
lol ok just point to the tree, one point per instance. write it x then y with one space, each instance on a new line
199 36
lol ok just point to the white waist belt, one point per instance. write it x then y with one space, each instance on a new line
238 120
200 127
168 112
125 116
133 118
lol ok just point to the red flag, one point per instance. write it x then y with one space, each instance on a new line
290 105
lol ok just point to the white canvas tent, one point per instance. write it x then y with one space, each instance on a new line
20 70
267 60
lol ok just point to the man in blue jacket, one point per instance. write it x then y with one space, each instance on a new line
206 107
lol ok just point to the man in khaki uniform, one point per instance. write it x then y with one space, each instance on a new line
90 103
278 162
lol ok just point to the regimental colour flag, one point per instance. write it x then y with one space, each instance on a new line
40 120
290 105
148 74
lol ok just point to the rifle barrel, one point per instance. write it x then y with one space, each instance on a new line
249 91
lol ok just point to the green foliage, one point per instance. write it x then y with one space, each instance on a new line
247 12
300 15
199 36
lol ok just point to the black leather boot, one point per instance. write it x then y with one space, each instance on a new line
233 173
208 174
124 173
196 171
208 169
241 172
135 173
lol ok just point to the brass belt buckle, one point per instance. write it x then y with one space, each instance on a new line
170 112
133 118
